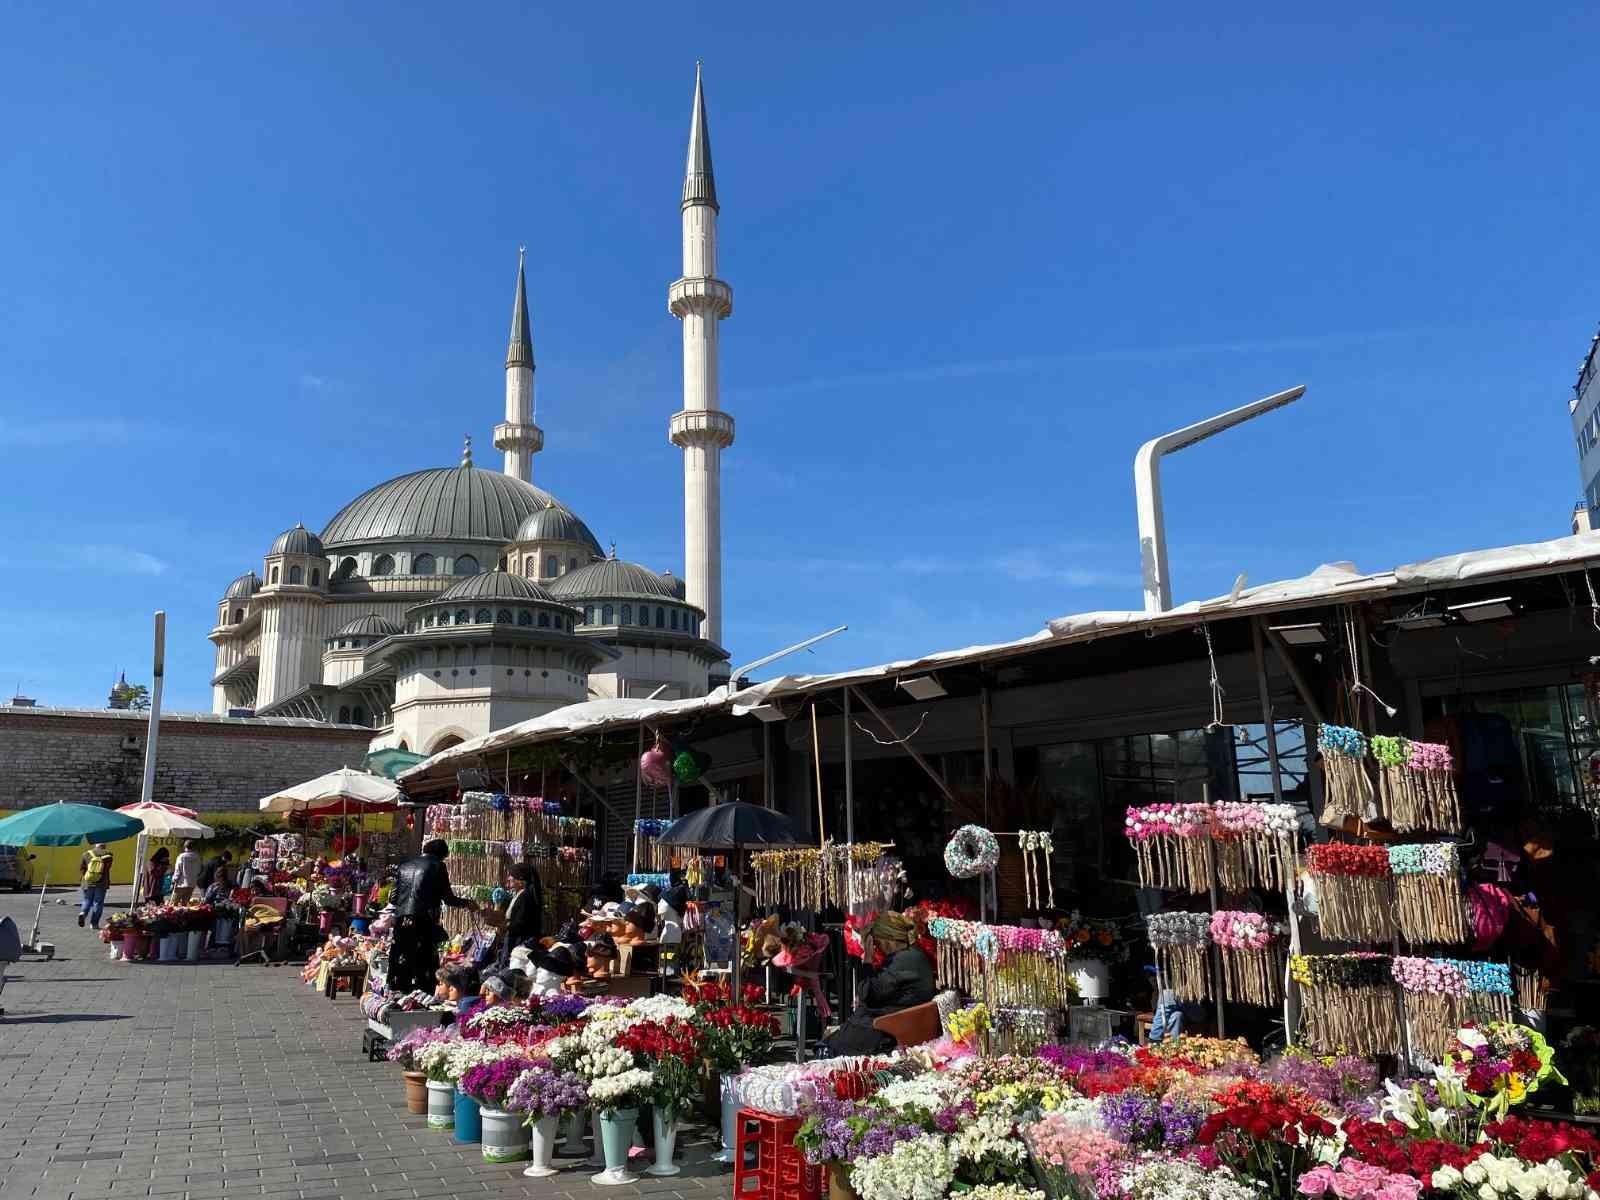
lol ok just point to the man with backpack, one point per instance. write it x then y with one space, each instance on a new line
96 867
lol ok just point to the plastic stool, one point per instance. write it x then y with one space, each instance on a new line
778 1171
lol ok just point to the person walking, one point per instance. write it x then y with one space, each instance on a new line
185 874
95 866
155 876
422 885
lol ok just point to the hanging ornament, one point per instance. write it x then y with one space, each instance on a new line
1347 1003
690 765
655 764
1353 896
1179 940
1251 950
1347 788
1429 906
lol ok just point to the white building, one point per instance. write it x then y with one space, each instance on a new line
452 601
1585 410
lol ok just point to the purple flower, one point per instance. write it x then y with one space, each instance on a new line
489 1083
1146 1122
557 1009
539 1092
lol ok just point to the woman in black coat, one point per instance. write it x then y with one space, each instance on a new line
903 981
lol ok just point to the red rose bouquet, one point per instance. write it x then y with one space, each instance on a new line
737 1037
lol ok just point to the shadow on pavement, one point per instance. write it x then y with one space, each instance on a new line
65 1018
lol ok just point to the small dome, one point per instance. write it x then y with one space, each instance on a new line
298 540
613 578
495 585
244 587
552 523
371 625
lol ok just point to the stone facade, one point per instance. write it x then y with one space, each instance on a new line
204 762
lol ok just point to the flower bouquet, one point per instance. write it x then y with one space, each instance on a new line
1270 1143
557 1009
466 1053
539 1092
672 1050
1353 902
966 1026
922 1168
432 1057
737 1037
490 1083
408 1050
498 1022
1499 1065
1067 1154
624 1090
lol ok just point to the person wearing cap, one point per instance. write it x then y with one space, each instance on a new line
95 866
422 885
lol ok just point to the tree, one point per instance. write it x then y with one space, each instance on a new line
131 695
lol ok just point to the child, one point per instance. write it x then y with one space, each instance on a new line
459 984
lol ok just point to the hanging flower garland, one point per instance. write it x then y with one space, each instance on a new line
1180 941
1010 965
1347 1003
1429 906
1442 994
971 852
1255 844
1347 787
1252 957
1170 842
1416 784
1353 891
1037 876
648 853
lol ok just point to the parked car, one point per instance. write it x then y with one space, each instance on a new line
16 868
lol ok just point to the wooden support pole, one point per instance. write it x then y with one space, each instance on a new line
1286 657
904 745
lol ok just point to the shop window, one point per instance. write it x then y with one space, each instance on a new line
466 565
383 565
423 564
644 615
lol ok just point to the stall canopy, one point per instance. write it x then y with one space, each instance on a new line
338 791
167 821
389 763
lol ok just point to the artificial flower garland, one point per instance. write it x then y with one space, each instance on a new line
1255 844
1442 993
1251 949
1416 784
1037 877
648 853
839 874
1347 1003
1172 845
1353 891
1347 787
971 851
1009 965
1429 906
1180 941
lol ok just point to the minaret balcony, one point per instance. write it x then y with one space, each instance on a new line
701 294
702 427
509 436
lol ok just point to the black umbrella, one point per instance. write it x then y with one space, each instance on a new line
737 826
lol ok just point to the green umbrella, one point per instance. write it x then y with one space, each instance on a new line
63 824
66 825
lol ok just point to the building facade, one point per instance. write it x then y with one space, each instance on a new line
452 601
1584 408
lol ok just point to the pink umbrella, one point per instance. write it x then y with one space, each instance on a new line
175 809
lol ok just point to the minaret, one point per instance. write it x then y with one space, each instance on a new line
700 300
517 435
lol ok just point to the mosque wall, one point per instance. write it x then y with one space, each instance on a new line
213 764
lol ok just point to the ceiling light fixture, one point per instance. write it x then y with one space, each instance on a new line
1301 635
922 687
1485 610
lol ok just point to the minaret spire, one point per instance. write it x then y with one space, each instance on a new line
702 430
517 435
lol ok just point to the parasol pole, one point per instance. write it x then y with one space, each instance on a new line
158 671
38 912
738 929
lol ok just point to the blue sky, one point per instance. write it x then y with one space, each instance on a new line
258 258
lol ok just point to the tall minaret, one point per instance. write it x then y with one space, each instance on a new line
700 300
517 435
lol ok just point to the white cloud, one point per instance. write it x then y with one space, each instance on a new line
84 431
103 559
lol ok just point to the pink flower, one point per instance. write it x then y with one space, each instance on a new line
1350 1187
1315 1182
1400 1187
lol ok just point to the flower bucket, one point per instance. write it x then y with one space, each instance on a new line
358 903
469 1119
730 1121
573 1124
839 1183
324 921
505 1137
222 932
116 950
196 939
616 1132
135 946
598 1157
666 1139
1092 978
541 1147
169 948
441 1105
416 1091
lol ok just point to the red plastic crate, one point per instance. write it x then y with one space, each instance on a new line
767 1166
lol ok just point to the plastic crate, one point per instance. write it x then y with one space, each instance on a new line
766 1164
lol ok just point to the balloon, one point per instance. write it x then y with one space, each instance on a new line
690 765
656 766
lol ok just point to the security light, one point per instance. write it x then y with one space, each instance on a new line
1485 610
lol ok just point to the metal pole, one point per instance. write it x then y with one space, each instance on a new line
816 767
1269 720
147 793
849 808
766 766
1216 951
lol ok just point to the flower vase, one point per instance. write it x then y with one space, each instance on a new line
541 1147
169 947
196 939
597 1157
358 904
135 946
1092 977
416 1091
666 1139
839 1183
616 1132
441 1105
222 932
730 1121
573 1122
469 1119
505 1137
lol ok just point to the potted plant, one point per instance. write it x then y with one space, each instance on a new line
466 1053
672 1051
617 1098
433 1060
407 1052
505 1136
542 1097
736 1037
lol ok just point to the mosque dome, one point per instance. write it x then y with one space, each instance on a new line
553 523
441 504
611 578
298 540
495 585
371 625
244 587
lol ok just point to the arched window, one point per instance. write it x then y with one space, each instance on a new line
273 575
422 564
238 615
296 575
605 615
644 615
316 576
501 565
544 620
462 616
358 716
661 618
572 564
383 565
627 614
344 714
466 565
346 568
530 566
674 618
524 617
503 617
484 616
552 564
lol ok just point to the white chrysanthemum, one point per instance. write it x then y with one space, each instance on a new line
920 1169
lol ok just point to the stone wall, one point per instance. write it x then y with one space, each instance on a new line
204 762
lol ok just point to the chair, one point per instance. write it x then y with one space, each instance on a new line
912 1026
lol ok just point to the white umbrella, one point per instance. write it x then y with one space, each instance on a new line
160 821
333 791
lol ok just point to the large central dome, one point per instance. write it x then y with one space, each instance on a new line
443 504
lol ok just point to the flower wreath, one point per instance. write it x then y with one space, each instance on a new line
973 851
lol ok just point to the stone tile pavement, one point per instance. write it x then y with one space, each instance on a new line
205 1081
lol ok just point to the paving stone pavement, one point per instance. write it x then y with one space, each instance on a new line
204 1081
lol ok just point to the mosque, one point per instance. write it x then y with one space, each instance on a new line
452 601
